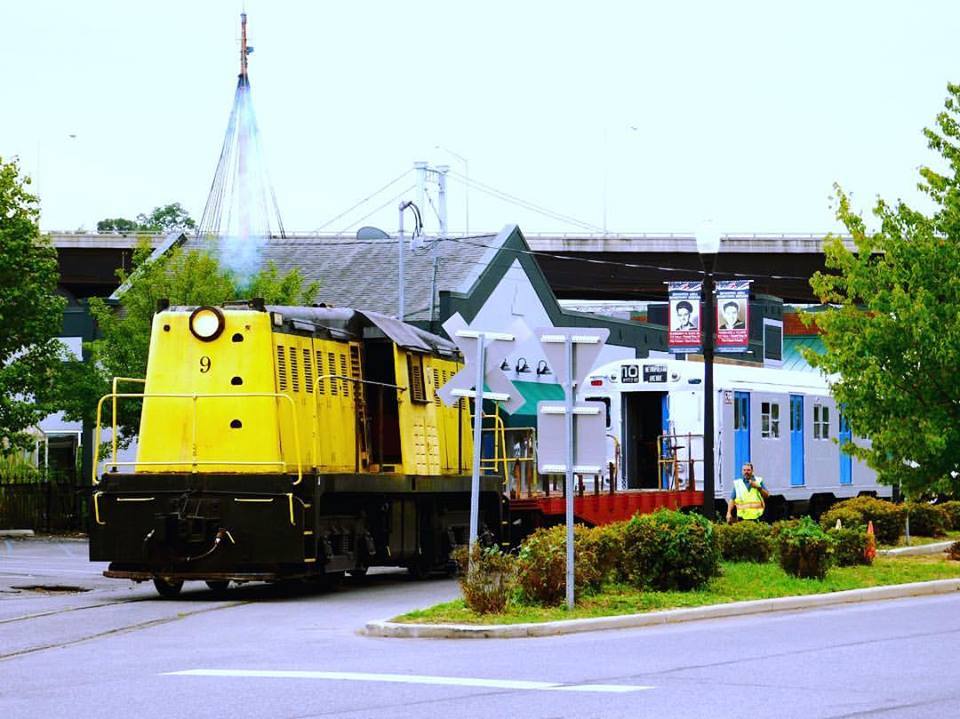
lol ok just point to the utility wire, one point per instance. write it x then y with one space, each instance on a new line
376 210
526 204
365 199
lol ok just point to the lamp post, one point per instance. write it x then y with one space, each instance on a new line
708 245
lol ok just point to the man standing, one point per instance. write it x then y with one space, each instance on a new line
748 495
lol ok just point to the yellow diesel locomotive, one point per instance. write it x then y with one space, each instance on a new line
287 442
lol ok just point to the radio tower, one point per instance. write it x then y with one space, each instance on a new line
241 211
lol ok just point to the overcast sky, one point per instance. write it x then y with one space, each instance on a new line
664 113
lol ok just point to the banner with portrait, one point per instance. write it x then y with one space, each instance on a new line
683 321
733 315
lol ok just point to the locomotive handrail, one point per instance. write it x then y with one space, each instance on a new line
316 406
194 462
137 380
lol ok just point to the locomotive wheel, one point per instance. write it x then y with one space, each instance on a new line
167 588
218 586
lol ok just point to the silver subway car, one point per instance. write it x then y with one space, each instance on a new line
785 423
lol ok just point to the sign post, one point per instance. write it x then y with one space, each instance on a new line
483 356
572 353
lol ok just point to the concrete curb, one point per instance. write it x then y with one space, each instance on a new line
935 548
670 616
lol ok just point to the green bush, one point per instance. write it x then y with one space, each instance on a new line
849 518
779 526
671 550
487 578
927 520
805 550
850 546
607 542
542 564
745 541
887 517
952 508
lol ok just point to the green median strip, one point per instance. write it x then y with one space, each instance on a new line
739 581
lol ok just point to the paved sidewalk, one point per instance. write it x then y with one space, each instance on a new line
628 621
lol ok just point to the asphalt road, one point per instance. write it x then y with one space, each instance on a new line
116 650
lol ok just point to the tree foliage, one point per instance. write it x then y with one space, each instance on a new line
893 332
163 219
182 276
30 312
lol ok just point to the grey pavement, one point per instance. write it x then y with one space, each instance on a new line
263 653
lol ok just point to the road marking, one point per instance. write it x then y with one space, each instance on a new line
411 679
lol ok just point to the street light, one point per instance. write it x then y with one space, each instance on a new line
708 245
466 189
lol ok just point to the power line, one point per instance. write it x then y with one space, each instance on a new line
526 204
365 199
380 207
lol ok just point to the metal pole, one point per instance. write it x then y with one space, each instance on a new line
477 431
709 485
568 420
403 206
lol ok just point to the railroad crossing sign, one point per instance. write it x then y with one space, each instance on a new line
482 359
483 352
571 351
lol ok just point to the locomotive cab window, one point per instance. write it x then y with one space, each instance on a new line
769 420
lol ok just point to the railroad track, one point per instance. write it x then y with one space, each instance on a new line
55 629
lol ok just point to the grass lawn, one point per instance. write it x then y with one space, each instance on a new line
739 581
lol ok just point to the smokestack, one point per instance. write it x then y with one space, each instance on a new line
243 47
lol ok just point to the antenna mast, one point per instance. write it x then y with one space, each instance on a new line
243 46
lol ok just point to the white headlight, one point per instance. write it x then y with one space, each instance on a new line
206 323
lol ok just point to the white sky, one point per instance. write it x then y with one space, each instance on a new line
746 112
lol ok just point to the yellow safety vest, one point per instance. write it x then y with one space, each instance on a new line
749 501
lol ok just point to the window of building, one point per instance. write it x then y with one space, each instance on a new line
821 422
769 420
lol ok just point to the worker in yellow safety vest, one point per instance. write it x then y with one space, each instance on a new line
748 495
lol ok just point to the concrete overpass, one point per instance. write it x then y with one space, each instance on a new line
633 267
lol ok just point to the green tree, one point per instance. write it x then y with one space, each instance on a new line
31 312
182 276
166 219
893 332
118 225
163 219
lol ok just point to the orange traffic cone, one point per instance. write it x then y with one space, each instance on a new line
870 552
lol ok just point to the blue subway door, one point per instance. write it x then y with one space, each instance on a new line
846 461
796 440
741 431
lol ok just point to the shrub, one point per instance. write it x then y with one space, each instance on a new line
927 520
887 517
671 550
805 550
952 508
487 578
745 541
849 518
779 526
542 564
850 546
607 543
